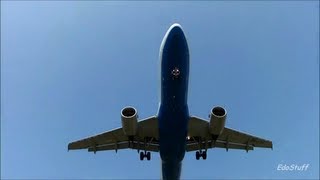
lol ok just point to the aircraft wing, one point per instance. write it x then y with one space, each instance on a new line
147 138
200 138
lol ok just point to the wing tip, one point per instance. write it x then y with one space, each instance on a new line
70 147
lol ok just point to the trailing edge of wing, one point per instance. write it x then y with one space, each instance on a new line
218 144
125 145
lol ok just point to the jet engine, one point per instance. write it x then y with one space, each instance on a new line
129 120
218 117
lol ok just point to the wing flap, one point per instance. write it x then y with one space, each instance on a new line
125 145
218 144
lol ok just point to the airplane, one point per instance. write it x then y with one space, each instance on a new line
172 131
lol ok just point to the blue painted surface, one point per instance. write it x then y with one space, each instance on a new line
173 112
66 67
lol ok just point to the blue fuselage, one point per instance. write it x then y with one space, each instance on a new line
173 114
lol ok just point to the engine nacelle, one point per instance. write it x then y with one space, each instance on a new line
218 117
129 120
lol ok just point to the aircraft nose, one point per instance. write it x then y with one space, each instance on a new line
175 30
174 40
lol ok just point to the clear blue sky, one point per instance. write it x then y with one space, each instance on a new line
67 69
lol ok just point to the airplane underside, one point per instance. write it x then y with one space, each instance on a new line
173 131
172 141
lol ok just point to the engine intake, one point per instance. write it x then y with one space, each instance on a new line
129 120
218 117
